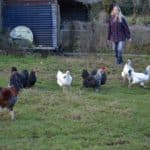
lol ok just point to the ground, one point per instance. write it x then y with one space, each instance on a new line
48 118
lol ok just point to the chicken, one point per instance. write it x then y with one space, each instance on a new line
125 72
27 80
95 79
139 78
88 80
64 79
9 95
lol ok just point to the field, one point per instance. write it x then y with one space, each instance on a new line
116 118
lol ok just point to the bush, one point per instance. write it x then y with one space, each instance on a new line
14 47
107 4
127 6
95 9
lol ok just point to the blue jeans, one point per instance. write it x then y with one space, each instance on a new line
118 47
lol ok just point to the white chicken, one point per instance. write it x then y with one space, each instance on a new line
125 72
64 79
139 78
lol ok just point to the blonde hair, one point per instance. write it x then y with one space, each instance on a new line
120 16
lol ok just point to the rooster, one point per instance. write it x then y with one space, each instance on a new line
9 95
94 79
64 79
139 78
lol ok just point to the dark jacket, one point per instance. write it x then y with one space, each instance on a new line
118 31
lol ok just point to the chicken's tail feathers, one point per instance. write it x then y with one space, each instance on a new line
58 73
13 69
68 72
103 78
85 74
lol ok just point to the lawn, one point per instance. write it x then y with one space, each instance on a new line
116 118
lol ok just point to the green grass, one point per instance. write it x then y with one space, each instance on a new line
48 118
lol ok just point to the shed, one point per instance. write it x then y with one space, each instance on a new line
41 16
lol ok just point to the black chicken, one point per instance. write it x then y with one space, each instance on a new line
94 79
26 79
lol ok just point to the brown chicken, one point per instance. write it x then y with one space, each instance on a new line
8 98
9 95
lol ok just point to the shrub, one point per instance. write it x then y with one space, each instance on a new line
127 6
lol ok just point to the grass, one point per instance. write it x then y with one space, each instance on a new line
47 118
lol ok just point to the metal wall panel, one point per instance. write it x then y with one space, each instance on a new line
41 19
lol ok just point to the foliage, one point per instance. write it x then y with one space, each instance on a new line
94 11
106 5
8 45
128 6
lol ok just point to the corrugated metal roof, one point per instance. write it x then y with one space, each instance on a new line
48 1
29 1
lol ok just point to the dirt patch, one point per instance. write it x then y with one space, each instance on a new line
118 142
76 117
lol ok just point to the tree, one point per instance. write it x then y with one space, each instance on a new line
134 11
145 11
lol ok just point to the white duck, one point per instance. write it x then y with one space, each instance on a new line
64 79
125 72
139 78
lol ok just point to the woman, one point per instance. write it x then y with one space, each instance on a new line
118 32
